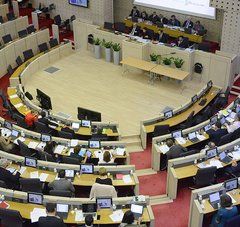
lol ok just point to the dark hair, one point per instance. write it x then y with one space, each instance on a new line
218 124
169 142
61 173
173 16
43 114
50 207
225 201
89 219
134 7
106 156
76 149
198 21
180 36
128 217
49 147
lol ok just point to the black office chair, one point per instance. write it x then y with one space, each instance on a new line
29 96
20 120
7 38
72 18
45 156
120 26
204 47
191 152
42 128
58 20
24 150
160 130
11 16
31 185
60 193
10 218
66 135
19 60
100 137
90 40
233 222
3 184
69 160
236 134
189 122
108 25
10 70
205 177
205 115
225 139
223 97
31 29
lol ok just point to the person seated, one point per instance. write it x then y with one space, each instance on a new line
62 184
188 23
51 219
49 148
197 27
135 12
31 118
216 132
128 220
182 42
154 17
136 30
144 15
107 158
88 221
103 179
174 22
102 190
42 118
174 149
67 129
161 37
235 125
10 179
226 212
234 168
210 145
5 143
163 19
76 155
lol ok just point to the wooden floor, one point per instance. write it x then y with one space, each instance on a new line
83 81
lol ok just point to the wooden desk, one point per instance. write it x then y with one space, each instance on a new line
175 33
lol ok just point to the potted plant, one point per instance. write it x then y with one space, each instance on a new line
167 61
108 46
155 58
178 62
97 48
116 53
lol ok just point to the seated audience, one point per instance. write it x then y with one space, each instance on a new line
210 145
174 22
163 19
174 149
188 23
31 118
144 15
216 132
49 148
182 42
10 179
198 27
62 184
235 125
227 211
75 153
154 18
52 219
128 220
88 221
103 179
136 30
135 12
107 158
234 168
161 37
5 143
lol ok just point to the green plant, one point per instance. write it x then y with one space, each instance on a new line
116 47
97 41
178 62
106 44
167 61
154 57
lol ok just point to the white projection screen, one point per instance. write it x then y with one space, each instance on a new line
199 8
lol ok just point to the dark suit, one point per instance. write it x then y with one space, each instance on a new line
144 17
162 39
175 23
136 32
47 122
163 20
50 221
175 151
183 44
154 19
12 181
134 13
187 24
216 135
76 156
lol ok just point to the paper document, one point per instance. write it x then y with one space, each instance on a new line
22 139
43 177
201 137
18 105
180 140
37 213
75 125
22 170
33 145
235 155
79 216
13 96
41 145
164 148
117 216
73 143
203 165
127 179
59 149
11 170
216 163
6 132
120 151
98 154
34 174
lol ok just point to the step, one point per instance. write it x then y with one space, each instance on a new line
145 172
160 199
235 93
236 87
134 148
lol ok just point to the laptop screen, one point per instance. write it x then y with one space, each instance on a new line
8 125
168 114
104 202
15 133
95 144
215 197
177 134
86 123
192 135
138 209
231 184
87 168
89 208
207 127
35 198
69 173
211 153
31 162
62 208
194 98
222 155
45 138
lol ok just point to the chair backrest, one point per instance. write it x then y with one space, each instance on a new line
53 43
70 160
60 193
189 120
204 47
10 16
3 184
233 222
10 218
41 127
20 121
66 135
28 95
101 190
120 26
72 18
24 150
57 19
31 185
189 153
108 25
31 29
1 20
19 60
236 134
7 38
160 130
207 112
45 156
205 176
100 137
225 139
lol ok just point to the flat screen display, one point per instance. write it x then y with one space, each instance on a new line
82 3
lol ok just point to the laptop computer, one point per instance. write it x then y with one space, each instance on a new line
137 211
14 134
231 184
214 200
193 137
211 153
89 209
104 202
224 157
69 174
62 210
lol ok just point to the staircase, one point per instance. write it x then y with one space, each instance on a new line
235 90
133 143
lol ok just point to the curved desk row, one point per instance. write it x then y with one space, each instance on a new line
180 114
158 143
182 168
75 205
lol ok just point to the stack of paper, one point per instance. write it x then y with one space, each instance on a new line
98 154
73 143
79 216
41 145
180 140
235 155
216 163
18 105
43 177
120 151
75 125
37 213
22 139
117 216
13 96
164 148
203 165
33 145
6 132
22 170
12 170
127 179
201 137
59 149
34 174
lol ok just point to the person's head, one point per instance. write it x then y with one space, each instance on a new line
134 7
134 24
76 149
189 18
198 22
61 173
154 13
89 220
169 142
211 144
43 114
102 172
160 16
51 208
144 29
128 217
225 201
218 124
4 163
180 38
160 31
106 156
144 13
173 17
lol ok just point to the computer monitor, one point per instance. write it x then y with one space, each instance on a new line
214 119
214 197
177 134
223 120
231 184
94 144
89 208
87 168
53 42
23 33
31 162
46 138
137 210
211 153
44 100
104 203
15 133
209 84
85 114
86 123
7 38
19 61
207 127
43 47
31 29
192 135
194 98
69 173
168 114
28 54
7 125
35 198
62 208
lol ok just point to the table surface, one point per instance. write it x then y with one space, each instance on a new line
138 63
